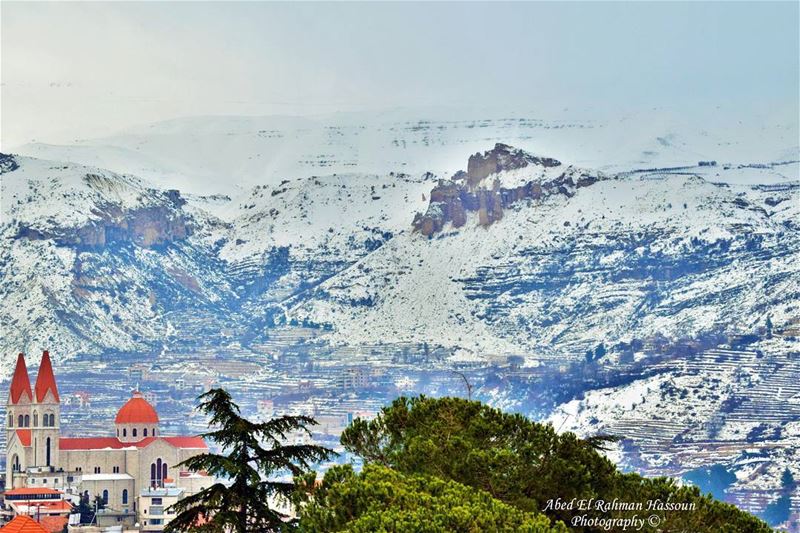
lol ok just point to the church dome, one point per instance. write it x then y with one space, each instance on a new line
137 410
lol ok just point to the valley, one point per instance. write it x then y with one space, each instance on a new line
659 305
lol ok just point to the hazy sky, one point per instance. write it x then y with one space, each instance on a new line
71 70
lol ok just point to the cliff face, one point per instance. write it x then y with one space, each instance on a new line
502 157
154 219
146 227
484 189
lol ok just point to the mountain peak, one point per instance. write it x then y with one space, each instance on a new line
516 175
499 159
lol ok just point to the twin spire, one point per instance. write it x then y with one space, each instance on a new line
20 384
45 381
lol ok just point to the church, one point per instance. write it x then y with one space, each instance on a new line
138 460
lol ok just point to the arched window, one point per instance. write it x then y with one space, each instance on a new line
47 452
117 432
11 420
52 421
36 419
145 432
124 496
124 432
158 471
105 497
21 421
27 421
134 432
15 463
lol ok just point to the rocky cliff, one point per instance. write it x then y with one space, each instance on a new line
492 182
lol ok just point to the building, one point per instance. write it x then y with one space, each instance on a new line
353 378
116 468
154 505
38 502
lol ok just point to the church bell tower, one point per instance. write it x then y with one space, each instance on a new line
45 415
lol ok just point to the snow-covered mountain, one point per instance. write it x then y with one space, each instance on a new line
598 258
520 254
94 260
219 154
516 257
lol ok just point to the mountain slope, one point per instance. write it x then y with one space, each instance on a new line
623 257
519 255
220 154
95 261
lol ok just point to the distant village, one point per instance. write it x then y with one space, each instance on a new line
112 429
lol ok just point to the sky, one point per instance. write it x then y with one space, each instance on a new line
80 70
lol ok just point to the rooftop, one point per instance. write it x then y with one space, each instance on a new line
137 410
20 383
24 524
113 443
106 477
29 491
45 380
160 492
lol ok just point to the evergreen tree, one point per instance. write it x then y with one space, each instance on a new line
600 351
255 451
787 479
778 511
523 464
88 508
382 499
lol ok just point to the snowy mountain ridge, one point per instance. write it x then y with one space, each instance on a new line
604 257
230 155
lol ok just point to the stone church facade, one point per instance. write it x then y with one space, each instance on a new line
117 469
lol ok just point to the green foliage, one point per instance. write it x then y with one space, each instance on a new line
383 500
255 451
526 464
87 509
513 459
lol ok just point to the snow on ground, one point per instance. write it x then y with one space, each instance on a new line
53 194
415 289
228 155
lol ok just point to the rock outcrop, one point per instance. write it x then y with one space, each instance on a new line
147 227
502 157
152 223
482 190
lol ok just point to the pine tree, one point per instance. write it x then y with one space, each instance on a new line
255 451
88 508
787 479
600 351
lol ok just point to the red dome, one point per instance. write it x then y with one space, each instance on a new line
137 411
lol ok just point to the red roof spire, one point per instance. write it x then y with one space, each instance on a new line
45 380
21 383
